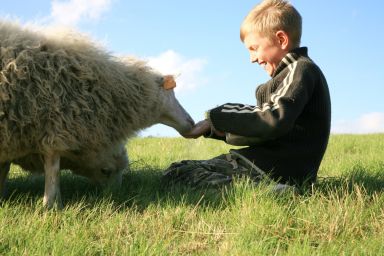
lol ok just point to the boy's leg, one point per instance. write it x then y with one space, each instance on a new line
210 173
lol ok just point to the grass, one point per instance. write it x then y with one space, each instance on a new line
343 215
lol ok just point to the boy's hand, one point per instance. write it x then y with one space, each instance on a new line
198 130
201 128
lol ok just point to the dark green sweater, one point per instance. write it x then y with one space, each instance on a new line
288 129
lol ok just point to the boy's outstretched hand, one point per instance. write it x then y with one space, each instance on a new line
198 130
201 128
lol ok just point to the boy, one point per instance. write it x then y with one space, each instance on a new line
287 132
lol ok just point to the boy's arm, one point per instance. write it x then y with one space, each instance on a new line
274 118
237 140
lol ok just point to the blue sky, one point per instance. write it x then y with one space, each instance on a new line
199 41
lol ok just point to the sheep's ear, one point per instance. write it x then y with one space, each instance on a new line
169 82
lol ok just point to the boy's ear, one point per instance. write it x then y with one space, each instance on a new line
283 39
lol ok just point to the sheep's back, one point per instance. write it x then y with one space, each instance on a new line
61 96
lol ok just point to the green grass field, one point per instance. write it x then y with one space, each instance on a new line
344 215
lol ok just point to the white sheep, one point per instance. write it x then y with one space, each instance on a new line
68 102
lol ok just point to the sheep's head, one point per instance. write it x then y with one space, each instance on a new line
103 167
173 114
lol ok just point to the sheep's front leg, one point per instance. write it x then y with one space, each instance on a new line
4 170
52 181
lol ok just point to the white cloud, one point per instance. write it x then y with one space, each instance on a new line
187 72
71 12
367 123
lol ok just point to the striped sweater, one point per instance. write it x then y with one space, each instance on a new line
288 129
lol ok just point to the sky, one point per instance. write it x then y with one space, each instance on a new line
199 42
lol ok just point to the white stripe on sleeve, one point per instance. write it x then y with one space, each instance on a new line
274 98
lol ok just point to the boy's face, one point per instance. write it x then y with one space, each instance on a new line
267 52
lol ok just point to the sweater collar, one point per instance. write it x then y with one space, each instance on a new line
290 58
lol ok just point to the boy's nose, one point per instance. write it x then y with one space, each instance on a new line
253 58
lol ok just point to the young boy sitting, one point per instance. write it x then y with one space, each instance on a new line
287 132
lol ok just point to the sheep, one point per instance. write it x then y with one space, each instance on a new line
64 99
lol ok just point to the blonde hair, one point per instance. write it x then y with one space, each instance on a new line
270 16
